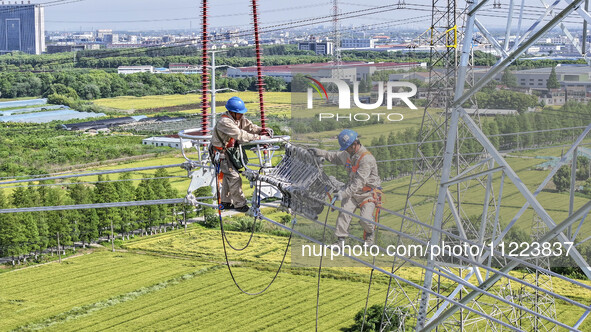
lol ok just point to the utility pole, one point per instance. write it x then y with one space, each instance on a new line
185 217
59 253
213 90
584 48
112 237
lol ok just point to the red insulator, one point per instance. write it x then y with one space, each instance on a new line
258 53
204 75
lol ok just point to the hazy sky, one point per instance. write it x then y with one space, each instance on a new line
88 15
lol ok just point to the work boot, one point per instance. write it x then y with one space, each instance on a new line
369 239
227 205
243 208
339 244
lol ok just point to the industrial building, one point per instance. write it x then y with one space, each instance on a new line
569 76
167 141
320 48
357 43
350 71
184 68
135 69
22 28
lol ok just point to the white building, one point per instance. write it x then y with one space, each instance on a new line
135 69
22 28
320 48
358 43
184 68
350 71
167 141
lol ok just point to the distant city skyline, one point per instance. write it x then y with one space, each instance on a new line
144 15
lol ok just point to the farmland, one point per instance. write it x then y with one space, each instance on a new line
31 294
131 290
189 100
176 281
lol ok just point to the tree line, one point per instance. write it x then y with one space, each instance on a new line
34 232
163 57
571 115
41 148
95 84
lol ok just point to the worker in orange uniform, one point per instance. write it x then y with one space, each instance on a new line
233 128
363 188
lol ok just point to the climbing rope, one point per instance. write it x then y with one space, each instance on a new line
377 220
320 264
218 180
257 194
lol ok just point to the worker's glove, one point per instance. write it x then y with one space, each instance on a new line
264 137
216 157
267 131
315 152
339 196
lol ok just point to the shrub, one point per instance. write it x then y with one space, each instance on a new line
373 318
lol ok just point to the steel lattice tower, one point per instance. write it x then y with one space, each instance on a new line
443 170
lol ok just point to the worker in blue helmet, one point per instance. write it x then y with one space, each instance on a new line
363 189
231 130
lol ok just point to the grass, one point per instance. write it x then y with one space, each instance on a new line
32 294
212 302
175 281
147 102
187 297
160 101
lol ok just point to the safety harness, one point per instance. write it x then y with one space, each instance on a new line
234 152
376 196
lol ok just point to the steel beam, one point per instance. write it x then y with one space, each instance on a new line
472 176
573 178
522 188
487 194
492 40
439 211
499 67
552 233
508 27
529 31
542 185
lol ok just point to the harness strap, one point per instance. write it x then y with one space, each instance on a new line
377 200
230 142
356 166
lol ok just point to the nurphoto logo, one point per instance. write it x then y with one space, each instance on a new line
392 92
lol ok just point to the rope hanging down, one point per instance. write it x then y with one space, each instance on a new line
219 179
320 265
257 197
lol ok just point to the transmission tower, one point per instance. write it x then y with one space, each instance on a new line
445 171
336 32
532 298
444 37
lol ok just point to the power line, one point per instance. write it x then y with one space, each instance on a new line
133 169
197 18
99 205
481 153
92 182
466 138
266 29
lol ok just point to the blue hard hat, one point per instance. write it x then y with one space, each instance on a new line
235 105
346 138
